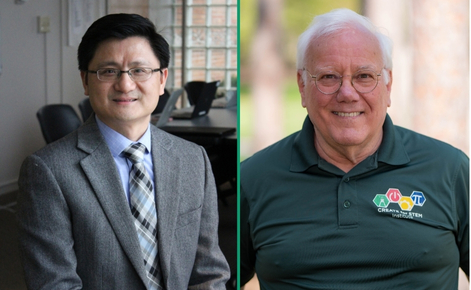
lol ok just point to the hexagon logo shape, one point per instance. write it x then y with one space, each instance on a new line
418 197
394 195
381 200
406 203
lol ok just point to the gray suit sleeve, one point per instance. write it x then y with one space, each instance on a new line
45 232
210 270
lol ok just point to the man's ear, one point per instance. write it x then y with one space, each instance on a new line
84 76
388 87
163 80
390 80
301 85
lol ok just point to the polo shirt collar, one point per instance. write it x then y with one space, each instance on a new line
304 154
392 150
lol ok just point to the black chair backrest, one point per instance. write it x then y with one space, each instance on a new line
193 90
162 101
56 121
85 108
205 99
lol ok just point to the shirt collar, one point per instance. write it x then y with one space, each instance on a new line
392 150
117 142
304 154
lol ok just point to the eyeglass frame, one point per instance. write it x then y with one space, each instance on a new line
341 82
128 72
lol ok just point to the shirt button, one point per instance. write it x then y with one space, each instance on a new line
347 179
346 204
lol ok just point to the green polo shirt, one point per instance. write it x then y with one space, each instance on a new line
397 220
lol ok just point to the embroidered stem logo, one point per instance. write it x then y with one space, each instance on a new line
406 203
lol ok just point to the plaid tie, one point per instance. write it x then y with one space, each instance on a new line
143 209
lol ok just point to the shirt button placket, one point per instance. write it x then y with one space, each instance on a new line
347 197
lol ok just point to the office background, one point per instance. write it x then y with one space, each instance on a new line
40 68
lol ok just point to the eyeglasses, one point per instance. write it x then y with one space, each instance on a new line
329 82
138 74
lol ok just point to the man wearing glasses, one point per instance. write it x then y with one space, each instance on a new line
352 201
120 204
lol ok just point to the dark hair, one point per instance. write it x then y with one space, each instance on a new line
121 26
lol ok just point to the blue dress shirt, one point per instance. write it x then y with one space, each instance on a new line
117 143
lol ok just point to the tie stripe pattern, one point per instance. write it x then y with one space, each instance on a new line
143 209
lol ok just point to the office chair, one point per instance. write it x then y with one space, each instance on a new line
193 90
162 101
85 108
56 121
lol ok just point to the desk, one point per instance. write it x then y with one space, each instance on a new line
216 118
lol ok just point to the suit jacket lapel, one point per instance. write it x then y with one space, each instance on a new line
166 166
101 171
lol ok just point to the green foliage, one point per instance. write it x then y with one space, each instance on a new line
247 25
298 14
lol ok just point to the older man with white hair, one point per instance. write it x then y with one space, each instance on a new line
352 201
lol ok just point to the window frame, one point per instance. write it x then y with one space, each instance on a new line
172 24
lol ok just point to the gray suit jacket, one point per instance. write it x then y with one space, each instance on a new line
75 225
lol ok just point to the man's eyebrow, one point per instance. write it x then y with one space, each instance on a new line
131 65
329 68
370 67
139 63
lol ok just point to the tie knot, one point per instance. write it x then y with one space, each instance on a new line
135 152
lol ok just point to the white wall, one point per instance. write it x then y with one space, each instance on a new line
38 69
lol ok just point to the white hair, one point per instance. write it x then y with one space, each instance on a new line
337 20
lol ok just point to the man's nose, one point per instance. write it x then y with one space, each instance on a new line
347 93
125 83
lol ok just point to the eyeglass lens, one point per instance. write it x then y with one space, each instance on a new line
363 81
136 74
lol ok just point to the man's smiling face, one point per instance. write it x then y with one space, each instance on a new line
124 102
345 118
